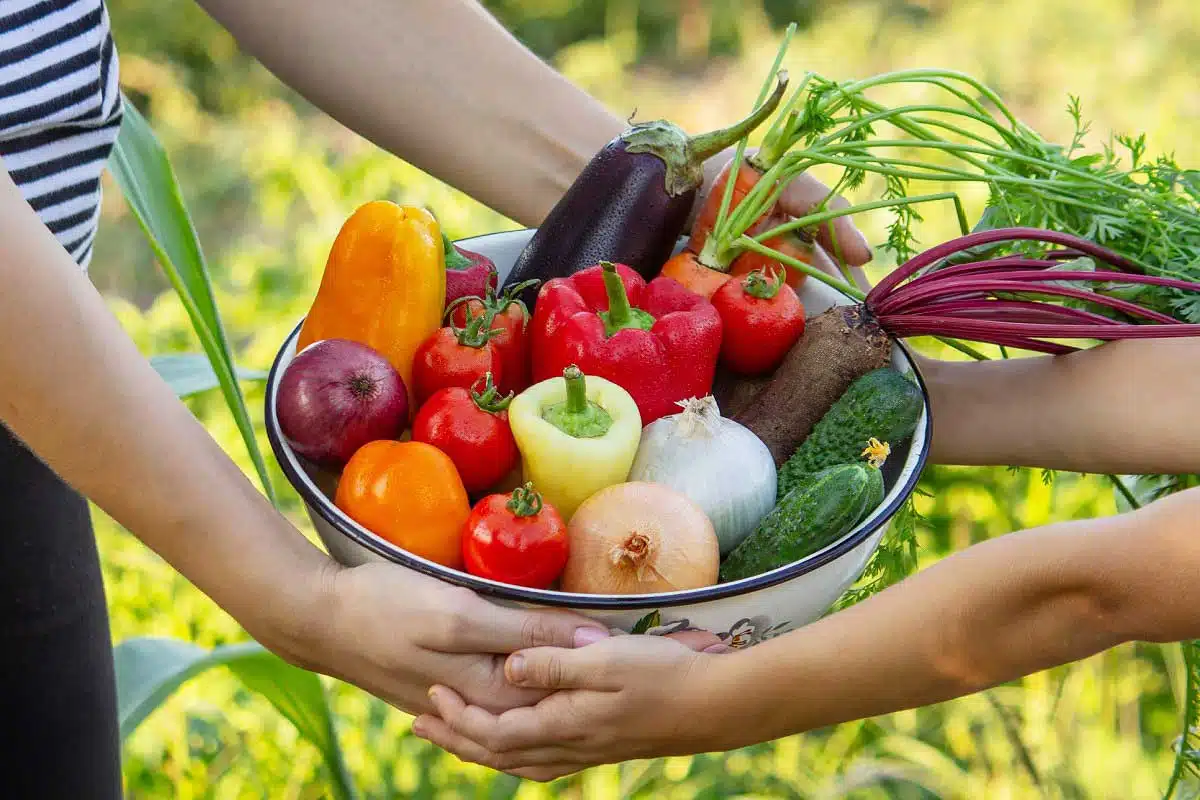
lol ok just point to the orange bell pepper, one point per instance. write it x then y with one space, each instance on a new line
384 284
410 494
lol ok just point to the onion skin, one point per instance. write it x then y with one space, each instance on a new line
639 538
336 396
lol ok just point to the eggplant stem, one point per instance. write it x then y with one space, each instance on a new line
704 146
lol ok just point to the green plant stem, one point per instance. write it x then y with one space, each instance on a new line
824 216
740 151
924 76
845 288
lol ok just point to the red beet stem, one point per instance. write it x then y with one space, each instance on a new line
1002 339
1011 311
936 254
982 330
977 267
911 297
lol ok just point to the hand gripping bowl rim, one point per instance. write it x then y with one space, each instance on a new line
317 501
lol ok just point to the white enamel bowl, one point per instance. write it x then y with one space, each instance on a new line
743 613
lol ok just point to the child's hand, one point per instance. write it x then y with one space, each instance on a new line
621 698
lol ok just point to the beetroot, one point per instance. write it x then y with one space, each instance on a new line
338 395
1001 301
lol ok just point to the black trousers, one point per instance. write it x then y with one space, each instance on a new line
58 710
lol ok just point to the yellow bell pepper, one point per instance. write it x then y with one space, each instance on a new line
575 436
384 284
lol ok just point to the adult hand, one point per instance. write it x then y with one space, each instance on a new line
395 632
622 698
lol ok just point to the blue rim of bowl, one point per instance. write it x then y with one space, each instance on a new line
325 508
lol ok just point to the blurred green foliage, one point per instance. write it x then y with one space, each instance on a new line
270 180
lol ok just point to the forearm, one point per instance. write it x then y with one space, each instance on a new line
994 612
1125 407
78 392
429 80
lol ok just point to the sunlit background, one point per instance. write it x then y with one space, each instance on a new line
270 180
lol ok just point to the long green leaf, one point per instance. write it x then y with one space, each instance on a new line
150 669
143 171
192 373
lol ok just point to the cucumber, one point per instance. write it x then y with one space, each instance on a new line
883 404
821 508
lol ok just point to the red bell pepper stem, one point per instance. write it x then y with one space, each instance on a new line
757 284
487 400
620 314
577 416
524 502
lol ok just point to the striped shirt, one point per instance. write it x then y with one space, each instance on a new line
60 110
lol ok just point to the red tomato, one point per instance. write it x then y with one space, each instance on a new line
472 428
516 539
454 356
510 318
762 318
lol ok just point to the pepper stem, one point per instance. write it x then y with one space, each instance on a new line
620 314
454 259
759 284
487 400
524 501
706 145
577 416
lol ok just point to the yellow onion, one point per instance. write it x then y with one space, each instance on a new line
640 538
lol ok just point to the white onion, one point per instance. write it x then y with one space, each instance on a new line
717 463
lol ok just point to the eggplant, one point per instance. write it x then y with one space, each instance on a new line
631 202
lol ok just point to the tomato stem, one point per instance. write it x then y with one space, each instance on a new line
524 501
487 400
474 333
758 284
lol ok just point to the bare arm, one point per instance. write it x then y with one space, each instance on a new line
1125 407
77 391
440 83
996 611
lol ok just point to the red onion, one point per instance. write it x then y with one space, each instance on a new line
336 396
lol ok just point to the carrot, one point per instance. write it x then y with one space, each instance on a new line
747 176
688 269
796 244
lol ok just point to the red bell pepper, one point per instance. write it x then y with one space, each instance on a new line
658 341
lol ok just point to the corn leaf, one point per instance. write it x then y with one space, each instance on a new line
150 669
191 373
143 171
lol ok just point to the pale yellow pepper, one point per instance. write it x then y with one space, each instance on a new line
576 435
